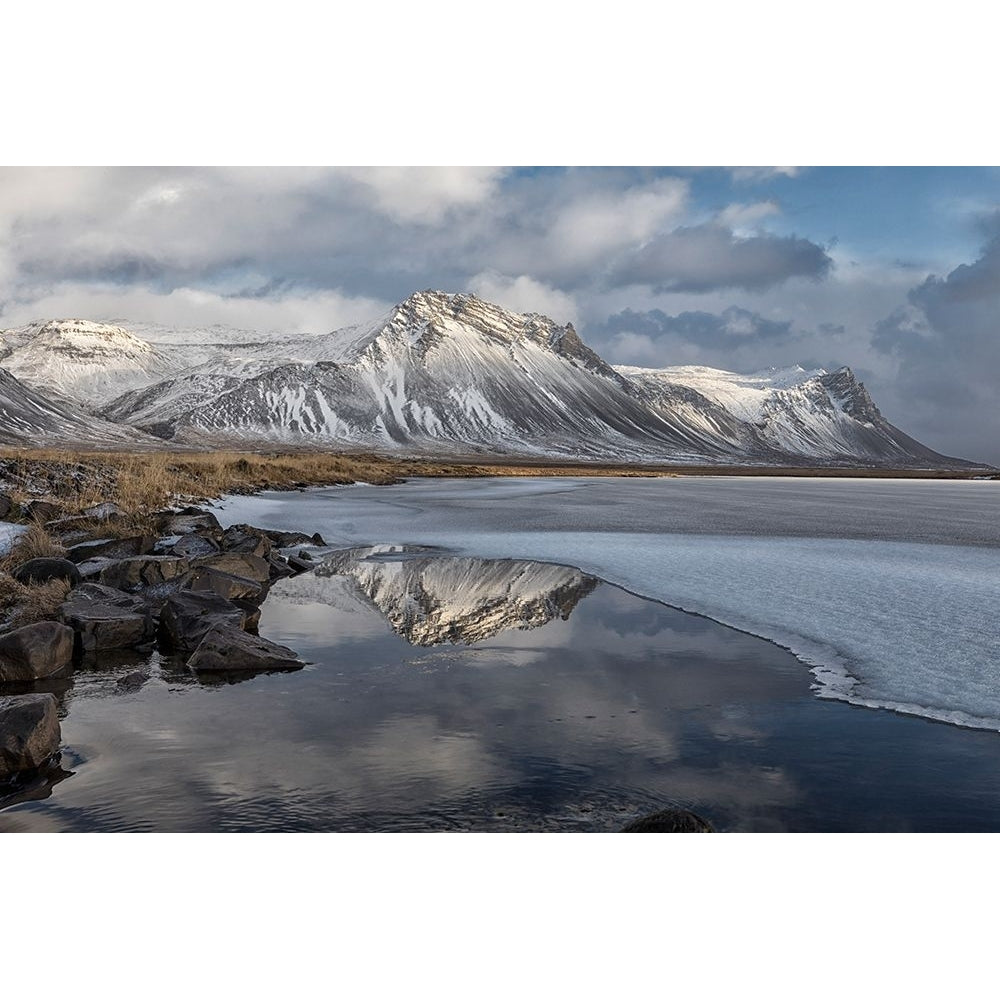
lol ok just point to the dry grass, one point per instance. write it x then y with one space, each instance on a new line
21 603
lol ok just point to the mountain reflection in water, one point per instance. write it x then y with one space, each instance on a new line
454 693
431 600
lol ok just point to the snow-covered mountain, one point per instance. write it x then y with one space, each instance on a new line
88 363
454 375
29 419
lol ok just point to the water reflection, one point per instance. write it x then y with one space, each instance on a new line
430 600
448 692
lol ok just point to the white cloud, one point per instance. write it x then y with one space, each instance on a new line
316 312
524 294
755 174
425 194
740 216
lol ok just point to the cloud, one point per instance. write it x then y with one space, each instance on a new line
946 343
425 194
658 339
711 256
289 313
524 294
740 216
753 175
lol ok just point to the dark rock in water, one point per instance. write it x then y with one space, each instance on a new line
187 616
205 578
132 682
111 548
194 546
279 567
670 821
6 505
34 652
46 568
143 571
284 539
240 564
105 618
229 650
29 732
300 565
246 539
317 539
41 510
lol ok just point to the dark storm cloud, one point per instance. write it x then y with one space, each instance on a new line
947 345
708 257
730 328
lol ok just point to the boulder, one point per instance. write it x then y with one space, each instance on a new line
283 539
105 618
194 546
112 548
106 511
204 578
34 652
143 571
90 569
299 565
29 732
247 539
229 650
41 510
670 821
279 567
240 564
185 523
6 505
188 615
46 568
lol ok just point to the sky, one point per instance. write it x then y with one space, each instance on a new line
892 271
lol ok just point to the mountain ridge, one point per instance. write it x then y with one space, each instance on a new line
448 374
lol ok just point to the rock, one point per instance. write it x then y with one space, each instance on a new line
317 539
105 618
103 511
670 821
284 539
41 510
228 650
34 652
188 615
246 539
194 546
29 732
240 564
143 571
6 505
90 569
46 568
132 682
112 548
204 578
300 565
185 523
279 567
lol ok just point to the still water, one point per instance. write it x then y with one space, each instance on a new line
459 693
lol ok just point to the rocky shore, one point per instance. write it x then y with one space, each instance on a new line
188 588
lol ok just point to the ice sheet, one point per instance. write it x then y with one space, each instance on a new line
885 608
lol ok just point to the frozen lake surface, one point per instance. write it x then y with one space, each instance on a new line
888 589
